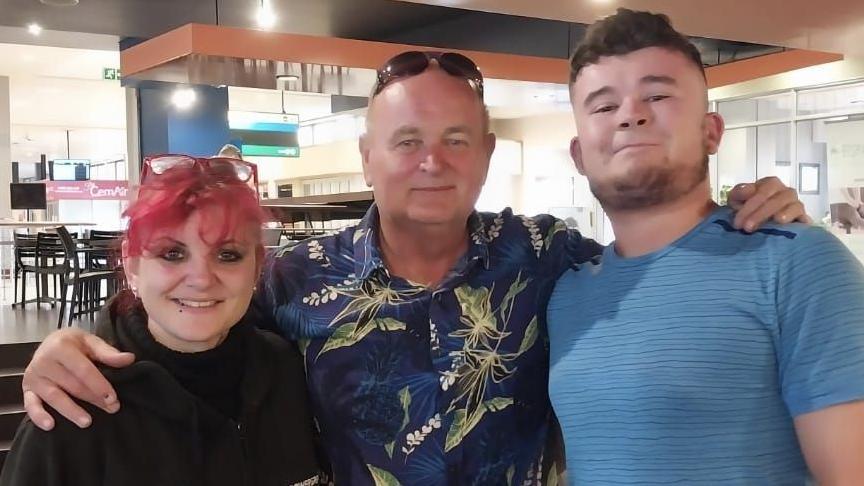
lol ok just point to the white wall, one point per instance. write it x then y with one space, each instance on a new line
317 161
5 149
549 178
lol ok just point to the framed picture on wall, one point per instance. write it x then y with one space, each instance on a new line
808 178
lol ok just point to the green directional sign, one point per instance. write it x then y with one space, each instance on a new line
111 74
270 151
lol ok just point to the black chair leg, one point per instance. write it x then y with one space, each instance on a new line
23 289
15 278
73 301
62 302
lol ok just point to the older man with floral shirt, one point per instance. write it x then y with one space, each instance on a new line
423 327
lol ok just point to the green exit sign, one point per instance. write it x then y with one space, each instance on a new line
270 151
111 73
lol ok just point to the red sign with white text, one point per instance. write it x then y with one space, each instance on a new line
93 190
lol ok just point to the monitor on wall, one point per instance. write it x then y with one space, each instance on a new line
70 170
28 195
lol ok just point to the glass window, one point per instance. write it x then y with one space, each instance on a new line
831 177
754 152
774 152
736 160
837 99
761 108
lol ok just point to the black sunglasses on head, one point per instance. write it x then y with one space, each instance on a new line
412 63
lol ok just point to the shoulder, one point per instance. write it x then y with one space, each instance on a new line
335 243
771 237
275 348
507 219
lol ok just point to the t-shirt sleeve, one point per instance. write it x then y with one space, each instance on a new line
820 312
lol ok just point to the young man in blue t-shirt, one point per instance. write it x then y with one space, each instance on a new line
691 352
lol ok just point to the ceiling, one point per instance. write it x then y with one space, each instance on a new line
58 90
827 25
539 28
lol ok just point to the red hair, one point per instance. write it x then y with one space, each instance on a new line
169 199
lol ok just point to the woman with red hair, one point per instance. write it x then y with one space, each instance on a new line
210 400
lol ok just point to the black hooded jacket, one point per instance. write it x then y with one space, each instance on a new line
166 435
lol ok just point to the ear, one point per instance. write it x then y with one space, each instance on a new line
576 154
714 127
489 142
363 145
130 265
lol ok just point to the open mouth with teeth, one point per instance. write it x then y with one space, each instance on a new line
196 304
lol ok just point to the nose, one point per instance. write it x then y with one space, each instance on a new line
633 113
199 273
433 160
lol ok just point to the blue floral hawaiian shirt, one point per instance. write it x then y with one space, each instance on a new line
415 385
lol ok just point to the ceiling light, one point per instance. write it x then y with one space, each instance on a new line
34 29
265 16
287 77
183 98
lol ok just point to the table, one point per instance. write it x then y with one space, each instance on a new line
28 225
5 223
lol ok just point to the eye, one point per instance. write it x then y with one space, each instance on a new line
657 97
173 254
229 256
604 109
409 144
456 142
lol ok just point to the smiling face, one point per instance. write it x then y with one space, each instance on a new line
194 290
644 134
427 149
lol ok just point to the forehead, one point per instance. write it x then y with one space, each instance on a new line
627 70
432 97
208 226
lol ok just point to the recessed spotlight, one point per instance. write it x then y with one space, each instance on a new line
287 77
60 3
183 98
34 29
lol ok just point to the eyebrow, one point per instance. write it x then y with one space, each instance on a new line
402 131
458 129
649 79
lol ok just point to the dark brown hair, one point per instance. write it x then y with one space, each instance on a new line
627 31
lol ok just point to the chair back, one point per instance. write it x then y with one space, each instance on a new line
48 245
70 252
105 235
24 247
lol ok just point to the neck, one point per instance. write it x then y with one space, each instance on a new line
642 231
422 253
173 343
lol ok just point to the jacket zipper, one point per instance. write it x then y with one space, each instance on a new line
244 447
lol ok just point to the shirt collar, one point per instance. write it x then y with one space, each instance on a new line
367 253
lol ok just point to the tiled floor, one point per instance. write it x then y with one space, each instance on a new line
29 324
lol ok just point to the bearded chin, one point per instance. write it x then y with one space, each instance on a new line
650 186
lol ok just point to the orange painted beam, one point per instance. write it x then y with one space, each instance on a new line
157 51
253 44
767 65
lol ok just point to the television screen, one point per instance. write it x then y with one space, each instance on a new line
70 170
28 195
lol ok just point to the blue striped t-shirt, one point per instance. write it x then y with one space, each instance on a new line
686 366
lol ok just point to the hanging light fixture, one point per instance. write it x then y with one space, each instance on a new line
265 16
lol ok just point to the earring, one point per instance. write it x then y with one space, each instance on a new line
134 291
